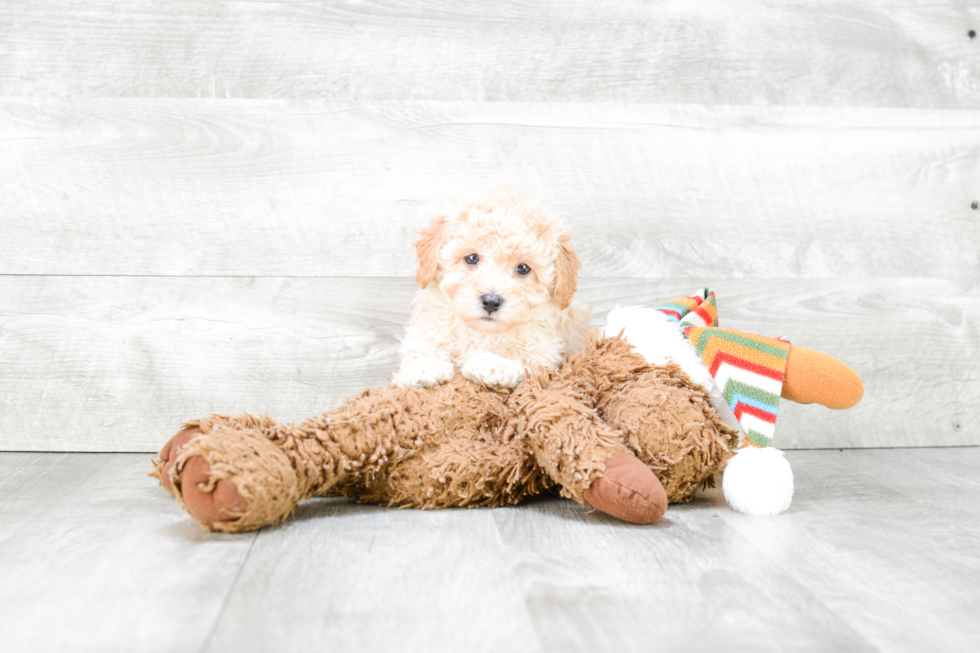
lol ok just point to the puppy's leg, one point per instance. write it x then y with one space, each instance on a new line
424 371
492 370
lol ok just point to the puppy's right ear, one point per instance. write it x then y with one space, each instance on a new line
427 249
566 273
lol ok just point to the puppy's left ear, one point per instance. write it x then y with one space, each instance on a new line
566 273
427 250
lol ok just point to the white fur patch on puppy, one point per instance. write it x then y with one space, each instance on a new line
758 481
424 372
492 370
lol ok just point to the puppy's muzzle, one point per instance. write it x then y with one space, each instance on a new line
491 303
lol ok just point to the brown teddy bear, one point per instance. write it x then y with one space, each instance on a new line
611 429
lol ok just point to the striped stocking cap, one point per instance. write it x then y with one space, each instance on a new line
748 369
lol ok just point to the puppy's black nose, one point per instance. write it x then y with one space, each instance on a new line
491 303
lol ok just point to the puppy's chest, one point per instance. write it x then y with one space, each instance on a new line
531 346
466 340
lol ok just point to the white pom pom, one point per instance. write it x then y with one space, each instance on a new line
758 481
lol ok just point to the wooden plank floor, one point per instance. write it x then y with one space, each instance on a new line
879 552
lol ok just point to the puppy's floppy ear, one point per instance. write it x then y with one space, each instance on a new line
427 248
566 273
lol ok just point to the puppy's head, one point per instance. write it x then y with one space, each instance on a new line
497 258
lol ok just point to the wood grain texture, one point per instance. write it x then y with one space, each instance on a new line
877 553
383 580
899 521
117 363
93 557
690 582
853 565
129 359
752 52
258 188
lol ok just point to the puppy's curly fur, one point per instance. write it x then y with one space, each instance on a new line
497 278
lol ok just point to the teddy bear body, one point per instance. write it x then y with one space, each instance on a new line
462 444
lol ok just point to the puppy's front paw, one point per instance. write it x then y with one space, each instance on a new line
492 370
424 372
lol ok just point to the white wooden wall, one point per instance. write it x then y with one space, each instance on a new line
210 206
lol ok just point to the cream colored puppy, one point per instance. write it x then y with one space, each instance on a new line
497 278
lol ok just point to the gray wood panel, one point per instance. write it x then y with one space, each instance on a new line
815 162
188 187
853 565
119 362
95 558
689 583
116 363
753 52
877 553
383 580
906 527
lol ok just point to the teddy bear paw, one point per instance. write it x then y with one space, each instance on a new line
220 503
229 479
628 490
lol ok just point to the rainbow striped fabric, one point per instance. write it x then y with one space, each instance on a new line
698 309
747 368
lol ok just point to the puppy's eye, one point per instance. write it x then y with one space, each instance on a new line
472 259
523 269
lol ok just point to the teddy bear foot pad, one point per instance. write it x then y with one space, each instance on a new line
628 490
220 504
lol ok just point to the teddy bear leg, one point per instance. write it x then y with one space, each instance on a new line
815 377
269 466
228 477
589 461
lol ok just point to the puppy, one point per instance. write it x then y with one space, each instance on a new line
497 279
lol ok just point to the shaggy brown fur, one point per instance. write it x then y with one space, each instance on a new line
460 444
